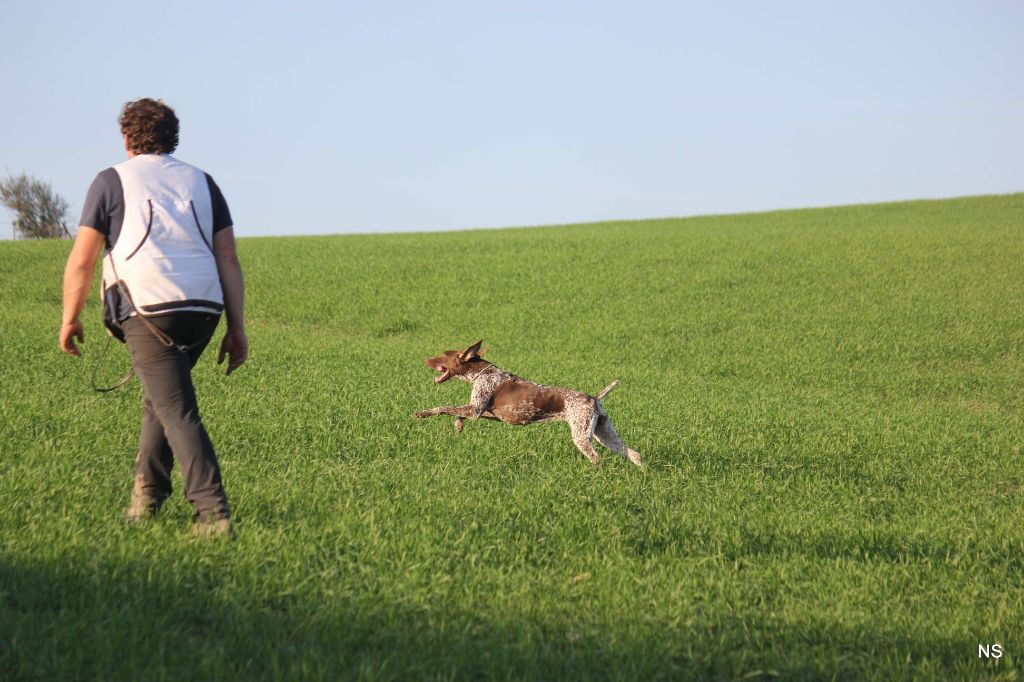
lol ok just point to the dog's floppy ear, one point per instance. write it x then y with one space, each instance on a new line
472 350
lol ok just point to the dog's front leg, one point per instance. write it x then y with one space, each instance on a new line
478 403
463 412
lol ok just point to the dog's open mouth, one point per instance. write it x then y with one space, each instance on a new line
445 374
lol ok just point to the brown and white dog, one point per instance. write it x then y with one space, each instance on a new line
502 396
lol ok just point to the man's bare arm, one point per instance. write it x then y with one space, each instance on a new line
235 345
78 274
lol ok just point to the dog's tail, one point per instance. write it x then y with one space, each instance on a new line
607 389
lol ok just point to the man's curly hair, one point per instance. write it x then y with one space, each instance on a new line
151 126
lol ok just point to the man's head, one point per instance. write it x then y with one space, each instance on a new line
149 127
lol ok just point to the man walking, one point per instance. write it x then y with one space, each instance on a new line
169 269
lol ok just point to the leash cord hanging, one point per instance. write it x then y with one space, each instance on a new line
95 368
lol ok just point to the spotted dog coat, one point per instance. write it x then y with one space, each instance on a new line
502 396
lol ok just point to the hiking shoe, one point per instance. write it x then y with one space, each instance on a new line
213 527
143 504
142 508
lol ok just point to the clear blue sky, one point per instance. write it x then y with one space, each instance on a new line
325 117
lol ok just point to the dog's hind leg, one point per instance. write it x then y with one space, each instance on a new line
583 436
608 437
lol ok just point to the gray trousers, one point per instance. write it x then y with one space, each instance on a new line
171 426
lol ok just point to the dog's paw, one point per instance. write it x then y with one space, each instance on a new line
458 425
421 415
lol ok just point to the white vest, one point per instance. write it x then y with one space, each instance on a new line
164 253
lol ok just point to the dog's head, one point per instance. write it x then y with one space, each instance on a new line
455 363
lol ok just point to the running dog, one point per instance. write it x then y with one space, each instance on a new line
502 396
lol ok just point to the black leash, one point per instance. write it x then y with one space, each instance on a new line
161 336
124 380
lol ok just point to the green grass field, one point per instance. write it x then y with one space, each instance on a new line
829 402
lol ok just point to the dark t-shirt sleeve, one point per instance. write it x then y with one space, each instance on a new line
221 214
103 202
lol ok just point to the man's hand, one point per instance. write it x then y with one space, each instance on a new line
69 331
236 347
